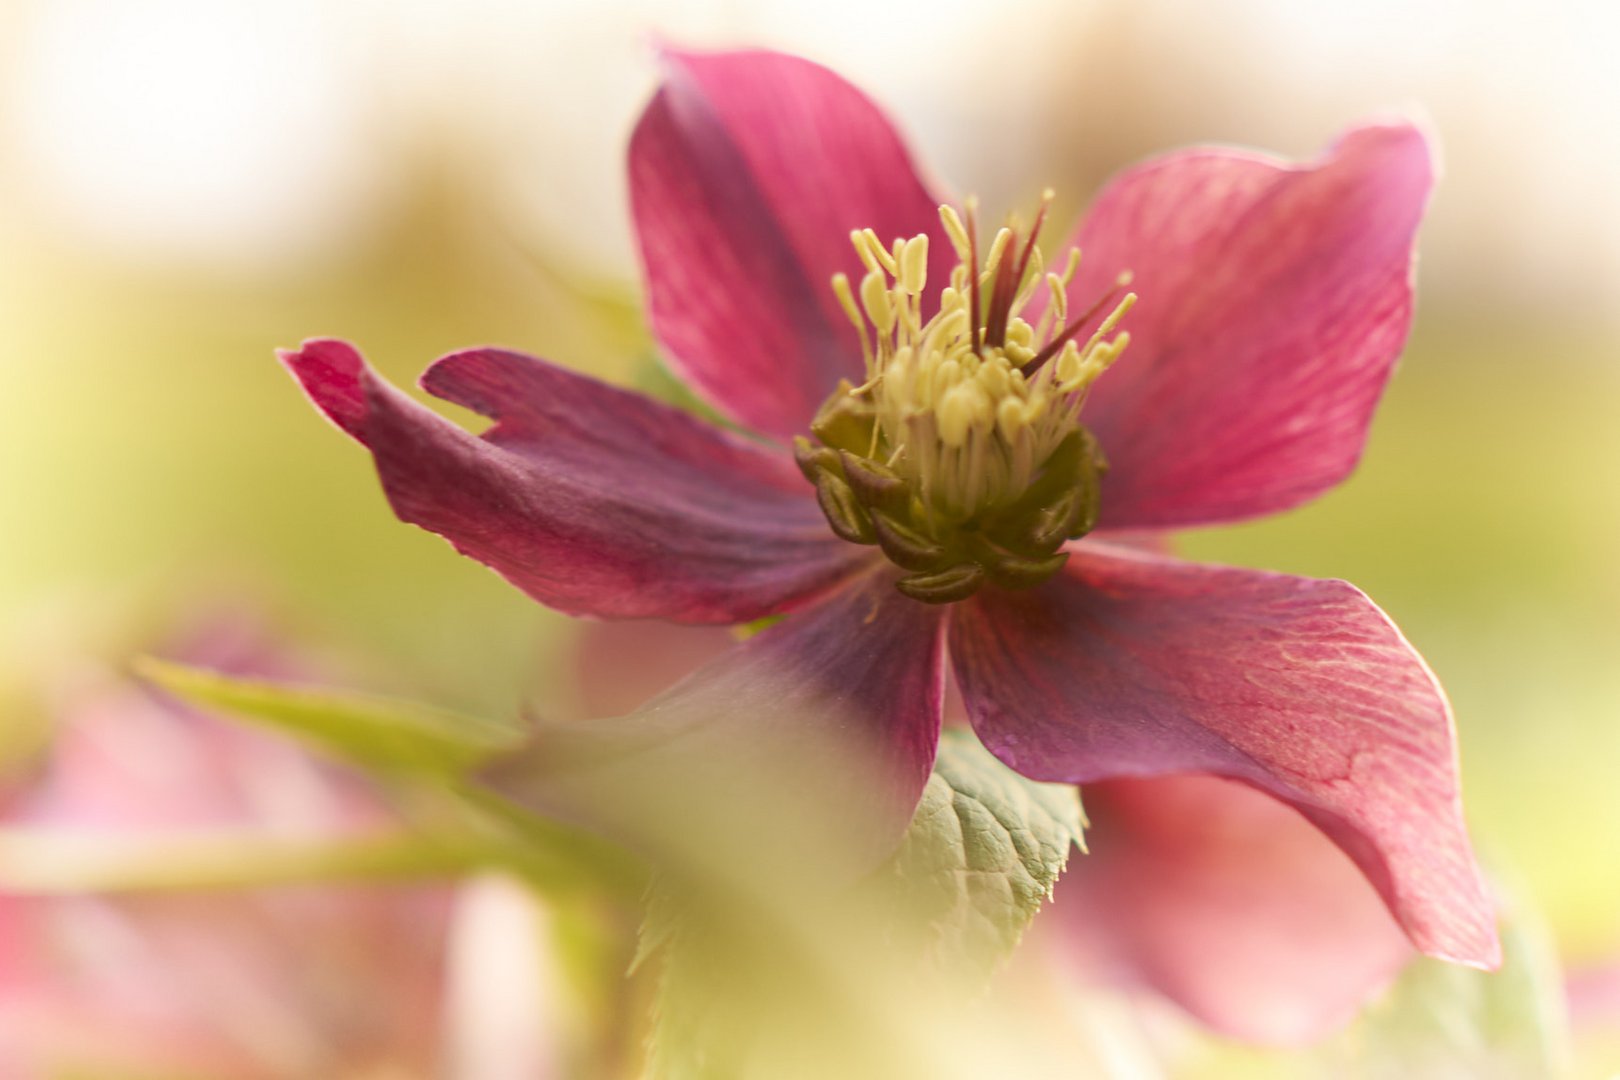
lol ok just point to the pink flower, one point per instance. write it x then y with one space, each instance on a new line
1225 902
331 980
1274 300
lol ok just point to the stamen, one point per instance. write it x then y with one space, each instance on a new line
986 470
1057 298
1078 324
875 298
998 248
846 300
914 264
1071 267
1035 233
953 229
879 252
972 208
1001 298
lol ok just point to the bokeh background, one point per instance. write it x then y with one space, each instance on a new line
187 184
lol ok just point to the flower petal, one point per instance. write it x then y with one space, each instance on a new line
593 500
1130 664
748 171
617 666
810 741
1275 299
1229 904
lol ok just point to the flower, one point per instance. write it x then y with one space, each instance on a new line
1207 893
1274 301
303 979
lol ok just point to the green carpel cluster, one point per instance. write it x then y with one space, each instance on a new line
1013 544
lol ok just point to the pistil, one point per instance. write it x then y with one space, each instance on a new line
961 455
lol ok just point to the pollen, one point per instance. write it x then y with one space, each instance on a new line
962 454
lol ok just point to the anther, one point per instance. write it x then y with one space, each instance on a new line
1069 331
955 231
961 454
914 265
875 298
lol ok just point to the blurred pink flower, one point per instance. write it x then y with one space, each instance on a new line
1206 892
291 981
1594 997
1275 299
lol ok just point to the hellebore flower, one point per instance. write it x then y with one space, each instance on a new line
942 485
331 980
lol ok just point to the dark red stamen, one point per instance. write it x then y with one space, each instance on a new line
1007 286
1001 298
1070 331
1034 235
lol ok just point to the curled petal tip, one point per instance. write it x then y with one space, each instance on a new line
333 375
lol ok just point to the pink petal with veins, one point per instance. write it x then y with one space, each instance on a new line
748 170
1134 665
1275 299
593 500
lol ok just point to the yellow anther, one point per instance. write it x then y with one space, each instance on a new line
897 372
875 298
1125 304
846 300
998 247
857 240
964 408
953 411
952 325
934 385
1110 352
1010 418
956 231
1067 369
914 264
1071 266
881 254
1058 296
995 379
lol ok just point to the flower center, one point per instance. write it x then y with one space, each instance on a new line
962 455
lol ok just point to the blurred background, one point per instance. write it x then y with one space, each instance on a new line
186 185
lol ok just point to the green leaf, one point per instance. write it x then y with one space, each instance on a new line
983 852
373 732
45 863
788 982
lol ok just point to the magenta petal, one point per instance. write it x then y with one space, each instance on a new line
1275 299
747 172
1230 904
1133 665
593 500
812 740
